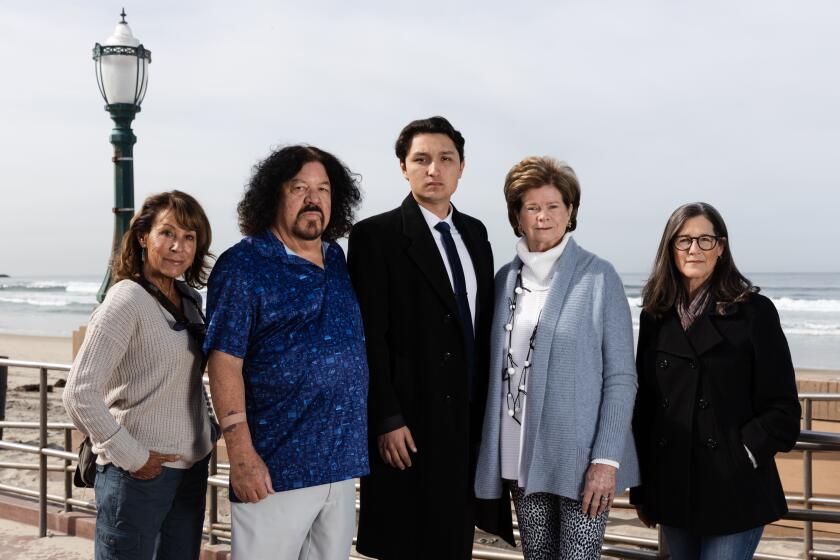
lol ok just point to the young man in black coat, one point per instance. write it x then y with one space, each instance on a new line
423 274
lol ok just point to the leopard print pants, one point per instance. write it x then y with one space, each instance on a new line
554 527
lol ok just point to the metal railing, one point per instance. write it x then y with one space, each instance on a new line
809 442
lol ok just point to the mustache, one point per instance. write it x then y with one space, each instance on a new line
310 208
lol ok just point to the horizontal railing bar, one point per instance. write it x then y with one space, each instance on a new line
495 555
813 515
12 446
60 454
802 446
217 481
59 500
57 453
35 467
627 539
820 396
34 365
799 499
36 425
825 554
811 436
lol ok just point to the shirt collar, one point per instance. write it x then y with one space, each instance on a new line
432 220
324 247
269 245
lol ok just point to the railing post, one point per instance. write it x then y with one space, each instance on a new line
42 459
4 379
807 484
662 549
214 495
68 476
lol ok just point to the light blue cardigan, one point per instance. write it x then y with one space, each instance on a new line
581 387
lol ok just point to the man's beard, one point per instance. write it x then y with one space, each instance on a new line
308 229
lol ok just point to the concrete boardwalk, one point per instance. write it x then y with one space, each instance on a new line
19 541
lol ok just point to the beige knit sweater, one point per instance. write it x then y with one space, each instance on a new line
135 384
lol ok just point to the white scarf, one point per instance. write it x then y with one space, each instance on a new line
538 266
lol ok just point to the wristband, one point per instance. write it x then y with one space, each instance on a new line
232 419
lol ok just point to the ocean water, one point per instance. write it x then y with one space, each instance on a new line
808 304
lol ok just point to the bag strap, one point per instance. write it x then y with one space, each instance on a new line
181 317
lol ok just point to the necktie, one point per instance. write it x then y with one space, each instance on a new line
463 303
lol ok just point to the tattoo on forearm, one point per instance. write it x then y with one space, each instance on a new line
230 429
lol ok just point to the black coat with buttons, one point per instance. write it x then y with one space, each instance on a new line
418 378
704 394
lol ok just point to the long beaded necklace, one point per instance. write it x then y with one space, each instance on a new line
515 403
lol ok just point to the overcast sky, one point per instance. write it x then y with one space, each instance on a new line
653 104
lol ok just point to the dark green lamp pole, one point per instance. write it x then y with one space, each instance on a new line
122 75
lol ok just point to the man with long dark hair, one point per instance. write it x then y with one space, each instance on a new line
287 361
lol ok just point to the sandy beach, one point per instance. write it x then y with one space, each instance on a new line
53 349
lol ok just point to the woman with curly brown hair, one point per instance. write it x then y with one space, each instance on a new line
135 387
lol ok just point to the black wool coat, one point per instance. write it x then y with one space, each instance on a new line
418 378
704 394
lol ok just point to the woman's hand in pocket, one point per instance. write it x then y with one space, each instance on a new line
153 466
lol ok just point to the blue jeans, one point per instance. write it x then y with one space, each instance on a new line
687 546
157 519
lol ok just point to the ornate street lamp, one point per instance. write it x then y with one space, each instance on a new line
122 66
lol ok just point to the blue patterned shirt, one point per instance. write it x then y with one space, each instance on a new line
298 329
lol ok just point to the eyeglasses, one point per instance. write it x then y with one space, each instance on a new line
705 242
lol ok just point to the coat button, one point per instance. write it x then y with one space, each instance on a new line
664 364
692 364
711 443
662 442
703 404
665 403
447 356
447 398
447 318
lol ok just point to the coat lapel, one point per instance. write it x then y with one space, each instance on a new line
482 268
564 270
703 334
422 249
673 339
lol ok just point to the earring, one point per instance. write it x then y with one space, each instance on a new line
569 226
143 255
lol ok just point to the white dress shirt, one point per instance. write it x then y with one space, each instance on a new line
466 262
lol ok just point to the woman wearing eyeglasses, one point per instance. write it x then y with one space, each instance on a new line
717 397
136 389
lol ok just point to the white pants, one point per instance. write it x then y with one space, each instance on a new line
315 523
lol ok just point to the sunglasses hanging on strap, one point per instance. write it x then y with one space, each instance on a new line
195 330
